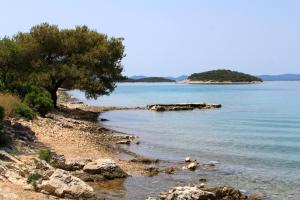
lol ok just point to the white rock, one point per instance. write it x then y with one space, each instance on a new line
193 165
61 183
188 159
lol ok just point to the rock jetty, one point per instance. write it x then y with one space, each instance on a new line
181 106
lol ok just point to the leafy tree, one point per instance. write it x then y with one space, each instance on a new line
77 58
11 57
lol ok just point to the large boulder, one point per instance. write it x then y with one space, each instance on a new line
62 184
106 167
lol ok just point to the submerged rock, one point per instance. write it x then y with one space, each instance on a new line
106 167
170 170
62 184
152 171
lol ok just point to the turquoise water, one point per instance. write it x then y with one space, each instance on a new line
255 137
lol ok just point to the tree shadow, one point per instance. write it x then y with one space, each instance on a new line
18 139
78 114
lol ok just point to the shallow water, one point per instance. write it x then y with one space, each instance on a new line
255 137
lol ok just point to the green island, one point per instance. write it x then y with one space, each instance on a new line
222 76
148 80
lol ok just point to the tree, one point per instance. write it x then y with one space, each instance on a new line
77 58
10 61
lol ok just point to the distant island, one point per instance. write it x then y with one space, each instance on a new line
148 80
281 77
178 78
222 76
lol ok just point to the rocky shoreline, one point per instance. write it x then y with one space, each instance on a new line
82 151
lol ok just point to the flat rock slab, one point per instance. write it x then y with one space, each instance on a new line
181 106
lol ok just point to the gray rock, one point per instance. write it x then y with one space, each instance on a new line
193 165
186 193
106 167
62 184
200 192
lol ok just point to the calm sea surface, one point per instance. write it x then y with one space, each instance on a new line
255 137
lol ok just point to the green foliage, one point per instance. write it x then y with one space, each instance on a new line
45 154
2 113
39 100
32 178
223 76
72 58
21 110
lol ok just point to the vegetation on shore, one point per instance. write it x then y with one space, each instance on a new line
148 80
48 57
223 75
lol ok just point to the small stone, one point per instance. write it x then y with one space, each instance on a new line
202 180
188 159
193 165
170 170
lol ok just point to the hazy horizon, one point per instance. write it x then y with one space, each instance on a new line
173 38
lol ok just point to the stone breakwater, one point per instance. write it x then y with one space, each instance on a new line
181 106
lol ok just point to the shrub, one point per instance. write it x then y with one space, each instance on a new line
21 110
2 114
7 101
45 154
33 178
39 100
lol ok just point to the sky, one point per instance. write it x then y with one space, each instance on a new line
175 37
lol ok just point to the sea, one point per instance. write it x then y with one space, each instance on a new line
254 139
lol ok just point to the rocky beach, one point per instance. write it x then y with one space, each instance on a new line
84 153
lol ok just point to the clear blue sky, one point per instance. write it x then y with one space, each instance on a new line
173 37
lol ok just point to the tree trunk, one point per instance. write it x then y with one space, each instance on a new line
54 97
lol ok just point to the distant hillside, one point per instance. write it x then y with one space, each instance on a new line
281 77
222 75
137 77
178 78
149 80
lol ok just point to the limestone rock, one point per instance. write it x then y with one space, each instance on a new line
200 192
62 184
106 167
193 165
186 193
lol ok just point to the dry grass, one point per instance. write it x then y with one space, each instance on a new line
7 101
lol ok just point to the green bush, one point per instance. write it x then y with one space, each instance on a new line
45 154
33 178
21 110
2 113
39 100
2 87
